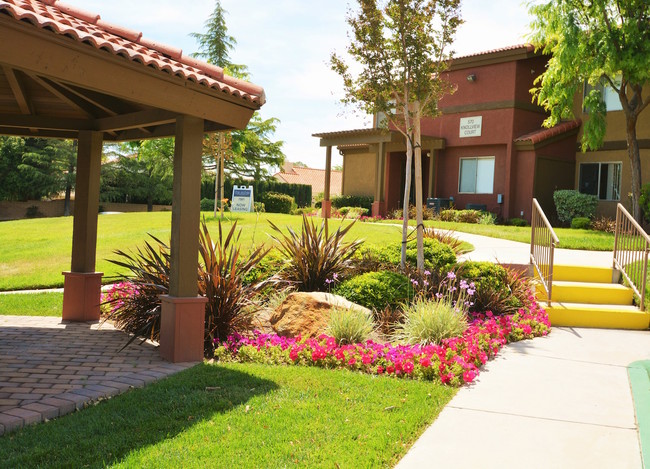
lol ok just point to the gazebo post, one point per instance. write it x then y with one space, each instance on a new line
183 312
82 285
326 207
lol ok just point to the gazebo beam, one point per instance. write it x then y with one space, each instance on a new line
82 285
183 312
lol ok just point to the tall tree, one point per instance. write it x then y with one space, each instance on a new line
253 150
600 42
34 168
401 47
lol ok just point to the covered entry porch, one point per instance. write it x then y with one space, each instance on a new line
373 165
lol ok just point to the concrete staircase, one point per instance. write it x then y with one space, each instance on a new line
591 297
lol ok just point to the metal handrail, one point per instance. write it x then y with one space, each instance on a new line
631 246
543 241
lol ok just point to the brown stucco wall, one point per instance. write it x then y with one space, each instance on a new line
359 173
54 208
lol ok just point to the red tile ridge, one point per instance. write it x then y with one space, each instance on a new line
543 134
529 48
194 69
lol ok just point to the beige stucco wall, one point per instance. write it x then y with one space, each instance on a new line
359 173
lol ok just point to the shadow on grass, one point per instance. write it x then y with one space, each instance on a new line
107 432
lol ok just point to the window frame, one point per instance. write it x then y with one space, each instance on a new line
476 158
600 169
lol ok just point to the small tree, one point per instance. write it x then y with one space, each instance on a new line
600 42
402 47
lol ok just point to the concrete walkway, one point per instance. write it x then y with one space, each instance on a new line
49 368
562 401
512 252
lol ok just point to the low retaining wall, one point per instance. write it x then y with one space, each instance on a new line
54 208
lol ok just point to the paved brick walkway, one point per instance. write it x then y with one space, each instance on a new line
49 368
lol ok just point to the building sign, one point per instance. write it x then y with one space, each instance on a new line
242 199
470 126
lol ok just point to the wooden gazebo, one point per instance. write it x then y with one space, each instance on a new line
66 73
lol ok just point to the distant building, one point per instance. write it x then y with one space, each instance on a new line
311 176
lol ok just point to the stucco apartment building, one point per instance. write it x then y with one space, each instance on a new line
488 147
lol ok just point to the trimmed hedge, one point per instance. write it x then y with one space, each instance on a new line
340 201
571 204
437 256
581 223
274 202
300 192
376 290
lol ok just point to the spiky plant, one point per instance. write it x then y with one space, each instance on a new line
148 276
315 255
222 269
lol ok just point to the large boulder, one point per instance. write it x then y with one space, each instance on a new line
308 313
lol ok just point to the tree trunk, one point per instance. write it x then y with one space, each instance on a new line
66 202
635 162
407 184
149 203
418 187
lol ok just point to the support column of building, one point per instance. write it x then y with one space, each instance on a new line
378 207
326 208
82 285
183 311
432 174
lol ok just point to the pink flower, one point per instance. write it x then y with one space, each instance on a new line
425 362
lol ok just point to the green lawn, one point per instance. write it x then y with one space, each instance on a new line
36 251
239 415
32 304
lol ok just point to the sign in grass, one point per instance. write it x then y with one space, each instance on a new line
242 199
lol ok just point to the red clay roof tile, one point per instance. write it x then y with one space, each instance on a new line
527 47
543 134
89 28
313 177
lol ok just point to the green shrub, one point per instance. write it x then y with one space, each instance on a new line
427 213
429 322
466 216
445 237
33 212
353 212
303 211
487 218
259 207
580 223
350 326
604 224
274 202
437 255
517 222
267 267
316 255
339 201
570 204
376 290
207 205
644 201
497 289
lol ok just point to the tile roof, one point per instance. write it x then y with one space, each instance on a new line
89 28
544 134
524 47
312 177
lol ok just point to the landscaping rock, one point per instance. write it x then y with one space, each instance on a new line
307 313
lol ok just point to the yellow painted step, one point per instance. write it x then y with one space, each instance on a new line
573 273
599 316
592 293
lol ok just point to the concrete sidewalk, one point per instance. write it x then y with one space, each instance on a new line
512 252
561 401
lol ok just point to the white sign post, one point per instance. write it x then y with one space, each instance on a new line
242 199
470 126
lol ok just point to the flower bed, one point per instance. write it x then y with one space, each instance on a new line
455 361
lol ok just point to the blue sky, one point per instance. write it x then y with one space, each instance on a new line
286 45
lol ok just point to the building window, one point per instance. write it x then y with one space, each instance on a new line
601 179
476 175
609 95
